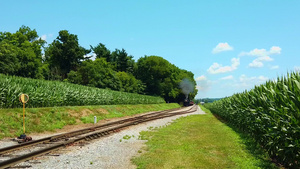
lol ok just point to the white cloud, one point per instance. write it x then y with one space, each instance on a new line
246 82
297 68
202 88
262 56
222 47
275 50
262 79
265 58
235 62
218 68
204 85
274 67
92 55
255 52
227 77
201 78
256 63
43 37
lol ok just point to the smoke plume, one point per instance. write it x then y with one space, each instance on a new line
186 86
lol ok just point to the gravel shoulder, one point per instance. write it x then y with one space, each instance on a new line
108 152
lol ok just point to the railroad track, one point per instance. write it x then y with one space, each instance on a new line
62 140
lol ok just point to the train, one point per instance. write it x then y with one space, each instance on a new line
188 102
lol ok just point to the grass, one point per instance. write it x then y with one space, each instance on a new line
52 118
111 111
200 141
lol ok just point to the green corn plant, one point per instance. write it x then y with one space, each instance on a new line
271 114
44 93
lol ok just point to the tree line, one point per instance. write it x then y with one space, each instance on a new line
25 54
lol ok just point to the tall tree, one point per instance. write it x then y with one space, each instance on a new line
65 54
25 49
97 73
122 61
152 70
130 84
9 63
163 78
102 52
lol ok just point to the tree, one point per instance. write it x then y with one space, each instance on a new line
130 84
97 73
65 54
152 70
102 52
163 78
24 48
9 63
122 61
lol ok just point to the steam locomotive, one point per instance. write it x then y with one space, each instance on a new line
188 102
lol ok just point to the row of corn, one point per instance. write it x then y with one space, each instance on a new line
271 114
44 93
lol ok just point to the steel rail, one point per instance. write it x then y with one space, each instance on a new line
74 133
14 161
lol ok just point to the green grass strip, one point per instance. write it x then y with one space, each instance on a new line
51 118
199 141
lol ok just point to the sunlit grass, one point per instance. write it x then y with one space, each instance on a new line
270 114
52 118
198 141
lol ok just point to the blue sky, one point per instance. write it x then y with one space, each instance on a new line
230 46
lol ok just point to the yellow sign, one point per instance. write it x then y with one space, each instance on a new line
24 98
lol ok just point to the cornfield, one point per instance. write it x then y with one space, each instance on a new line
44 93
271 114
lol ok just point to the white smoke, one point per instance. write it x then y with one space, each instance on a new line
186 86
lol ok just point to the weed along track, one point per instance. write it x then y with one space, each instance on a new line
12 155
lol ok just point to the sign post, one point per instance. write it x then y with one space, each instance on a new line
24 99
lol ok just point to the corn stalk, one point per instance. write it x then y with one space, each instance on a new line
271 114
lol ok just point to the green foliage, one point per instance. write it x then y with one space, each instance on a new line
129 83
20 53
152 70
102 52
96 73
64 54
126 137
100 74
9 63
207 100
119 59
162 78
65 60
44 93
122 61
271 114
74 77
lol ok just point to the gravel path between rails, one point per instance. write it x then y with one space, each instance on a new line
110 152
